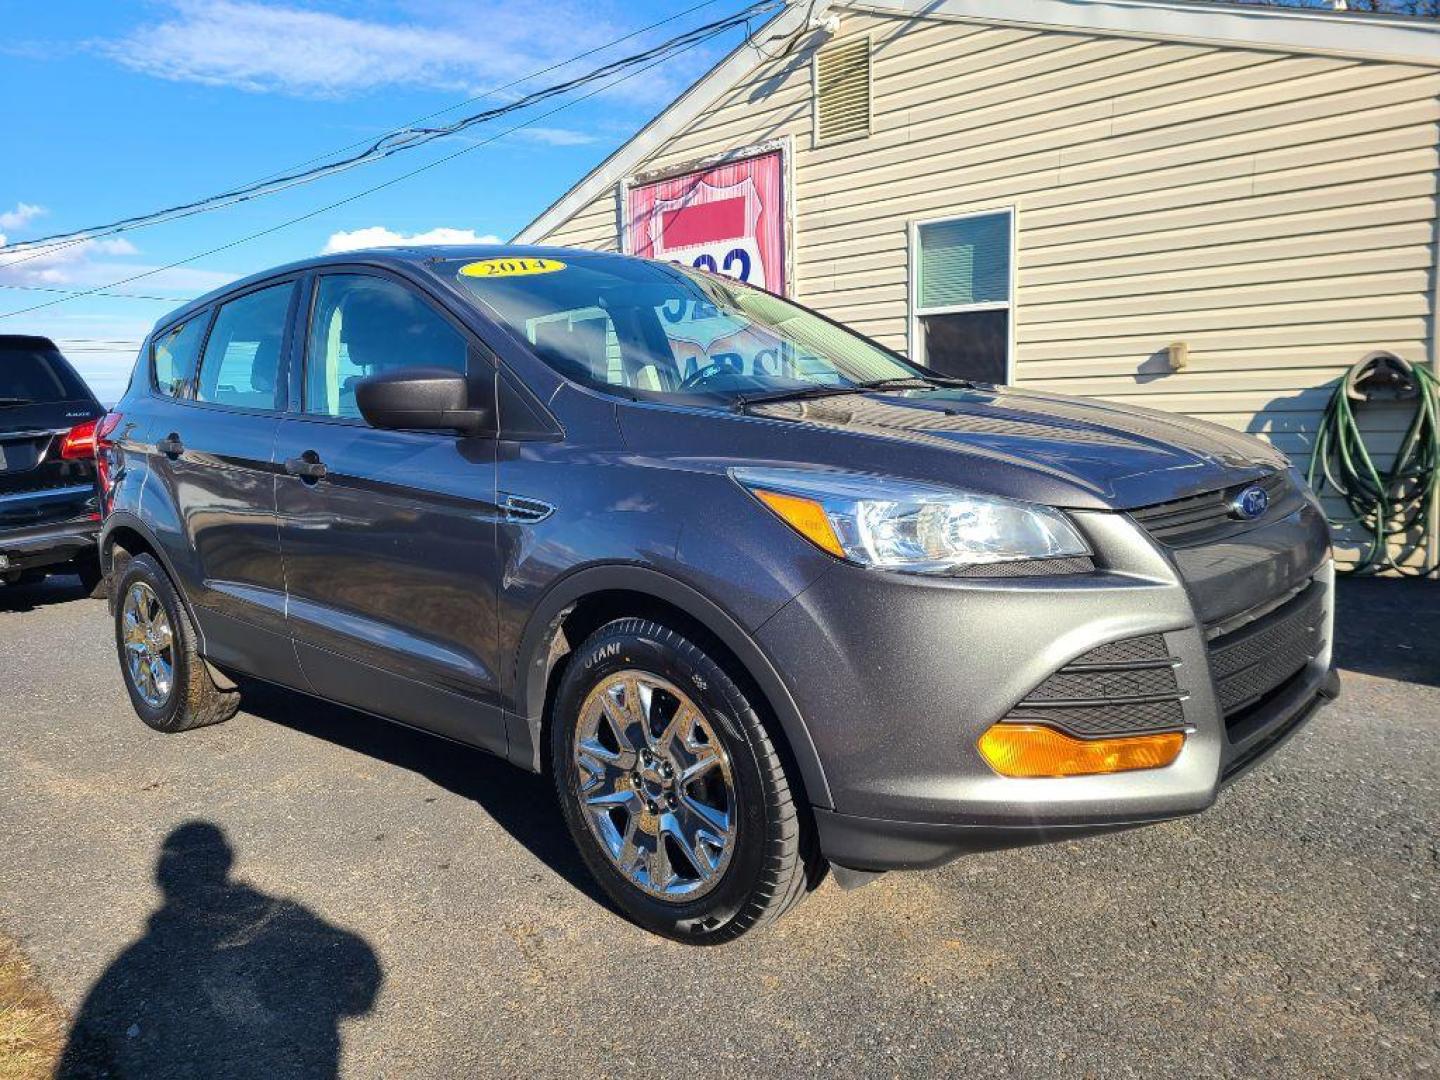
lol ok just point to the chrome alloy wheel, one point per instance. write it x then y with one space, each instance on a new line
655 786
149 645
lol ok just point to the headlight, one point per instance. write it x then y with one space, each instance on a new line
899 525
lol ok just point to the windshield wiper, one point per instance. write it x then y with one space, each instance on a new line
16 401
804 393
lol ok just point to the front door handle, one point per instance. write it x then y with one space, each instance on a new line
307 466
171 446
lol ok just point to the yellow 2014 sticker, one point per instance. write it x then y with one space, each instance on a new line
510 267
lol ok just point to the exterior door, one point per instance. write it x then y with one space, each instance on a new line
212 446
389 537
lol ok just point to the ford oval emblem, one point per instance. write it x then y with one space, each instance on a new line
1250 503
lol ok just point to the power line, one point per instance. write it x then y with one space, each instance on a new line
79 292
403 139
359 194
83 236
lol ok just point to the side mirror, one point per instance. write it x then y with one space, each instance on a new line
423 398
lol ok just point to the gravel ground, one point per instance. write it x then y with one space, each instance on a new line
407 908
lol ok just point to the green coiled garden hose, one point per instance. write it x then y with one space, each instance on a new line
1391 503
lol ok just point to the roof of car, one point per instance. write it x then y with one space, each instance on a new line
26 341
418 255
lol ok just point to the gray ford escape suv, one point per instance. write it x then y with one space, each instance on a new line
760 594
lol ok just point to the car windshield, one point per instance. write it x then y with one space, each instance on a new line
659 331
33 372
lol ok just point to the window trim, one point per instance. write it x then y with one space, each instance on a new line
815 139
914 339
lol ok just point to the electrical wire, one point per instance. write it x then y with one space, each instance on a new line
397 141
1396 506
357 195
81 292
82 236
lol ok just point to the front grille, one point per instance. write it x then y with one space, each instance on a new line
1198 519
1124 687
1262 656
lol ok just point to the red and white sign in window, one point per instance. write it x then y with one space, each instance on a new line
729 219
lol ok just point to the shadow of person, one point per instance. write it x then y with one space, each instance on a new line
227 981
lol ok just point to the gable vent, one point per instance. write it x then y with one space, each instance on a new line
842 90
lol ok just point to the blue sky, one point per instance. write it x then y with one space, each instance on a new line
114 109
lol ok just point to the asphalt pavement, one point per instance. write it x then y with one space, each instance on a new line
389 904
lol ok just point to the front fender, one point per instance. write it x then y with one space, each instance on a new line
533 658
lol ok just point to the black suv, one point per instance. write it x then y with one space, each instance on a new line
49 513
760 594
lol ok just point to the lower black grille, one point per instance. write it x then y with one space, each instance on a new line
1073 564
1125 687
1250 662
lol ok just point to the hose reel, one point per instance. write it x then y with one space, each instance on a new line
1388 504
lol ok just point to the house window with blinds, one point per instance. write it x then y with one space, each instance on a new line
960 313
842 91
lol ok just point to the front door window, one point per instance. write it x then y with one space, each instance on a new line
364 325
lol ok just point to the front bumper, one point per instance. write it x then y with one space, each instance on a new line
52 544
898 677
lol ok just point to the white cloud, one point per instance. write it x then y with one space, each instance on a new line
551 136
463 48
261 47
84 263
22 215
66 263
379 236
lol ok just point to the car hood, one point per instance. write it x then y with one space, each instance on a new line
1064 451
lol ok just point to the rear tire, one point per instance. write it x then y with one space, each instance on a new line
757 865
169 685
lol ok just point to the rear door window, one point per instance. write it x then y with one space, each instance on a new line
176 355
241 365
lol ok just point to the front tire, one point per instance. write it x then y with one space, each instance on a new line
169 685
672 788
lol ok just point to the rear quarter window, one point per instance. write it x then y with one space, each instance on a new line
176 355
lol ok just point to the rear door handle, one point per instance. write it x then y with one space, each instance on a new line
171 446
307 466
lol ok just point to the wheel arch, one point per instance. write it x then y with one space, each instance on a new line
126 533
589 597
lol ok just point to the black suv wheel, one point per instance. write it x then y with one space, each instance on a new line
169 685
673 789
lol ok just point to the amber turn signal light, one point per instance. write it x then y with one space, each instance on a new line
805 516
1029 750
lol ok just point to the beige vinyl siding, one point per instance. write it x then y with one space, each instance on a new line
1275 211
